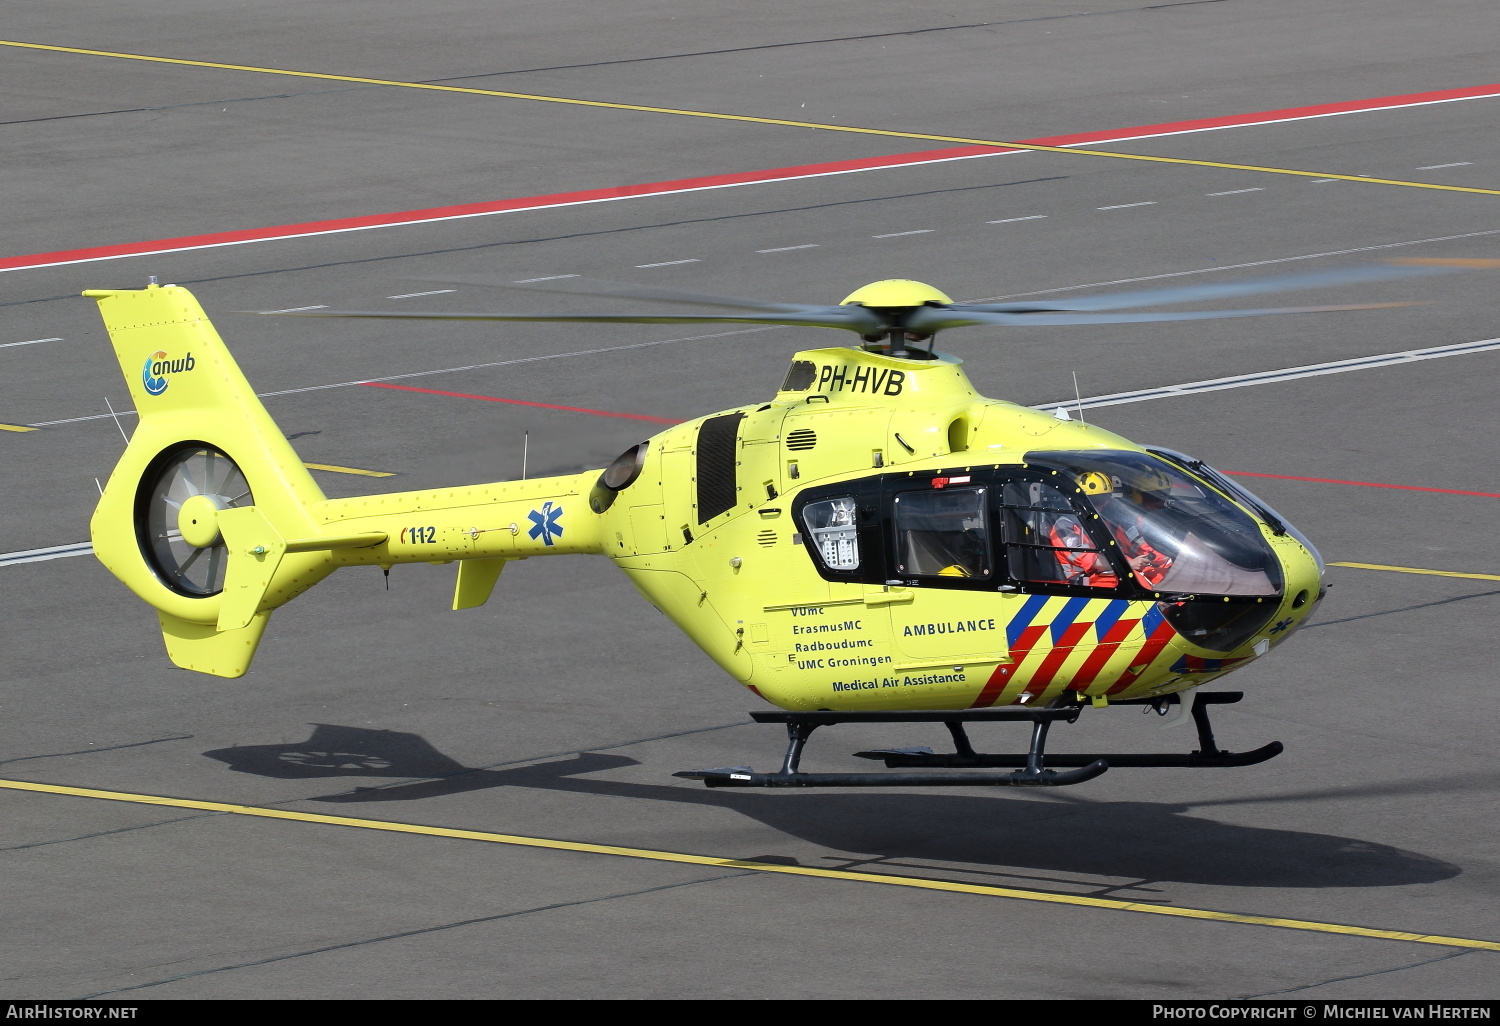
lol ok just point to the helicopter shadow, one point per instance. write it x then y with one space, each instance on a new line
1142 841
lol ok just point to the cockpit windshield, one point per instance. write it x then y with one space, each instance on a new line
1176 534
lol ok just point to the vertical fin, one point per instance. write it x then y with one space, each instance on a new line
476 579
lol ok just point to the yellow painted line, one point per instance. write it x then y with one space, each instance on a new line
761 867
15 427
347 470
736 117
1418 570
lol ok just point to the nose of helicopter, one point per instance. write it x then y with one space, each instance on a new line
1306 582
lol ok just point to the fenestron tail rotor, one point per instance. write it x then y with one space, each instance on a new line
176 507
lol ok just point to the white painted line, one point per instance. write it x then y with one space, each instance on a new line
299 309
1434 167
1122 206
788 249
1324 181
7 345
1273 377
1234 192
550 277
672 263
1009 220
897 235
414 295
53 552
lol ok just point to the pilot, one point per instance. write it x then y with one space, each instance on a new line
1077 556
1125 510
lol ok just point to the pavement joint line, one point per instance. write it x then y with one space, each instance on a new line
750 119
1418 570
917 883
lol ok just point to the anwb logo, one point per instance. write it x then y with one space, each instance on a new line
154 374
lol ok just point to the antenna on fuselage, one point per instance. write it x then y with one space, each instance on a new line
1077 395
525 452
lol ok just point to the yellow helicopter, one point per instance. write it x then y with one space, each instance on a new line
877 542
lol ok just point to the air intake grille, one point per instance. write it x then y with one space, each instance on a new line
716 458
802 438
766 538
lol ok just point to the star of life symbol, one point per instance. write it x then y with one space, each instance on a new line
544 523
1283 625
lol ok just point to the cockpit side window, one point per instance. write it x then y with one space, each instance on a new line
1046 541
1175 534
942 533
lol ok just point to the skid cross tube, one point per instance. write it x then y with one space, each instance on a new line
1032 771
1035 768
1207 755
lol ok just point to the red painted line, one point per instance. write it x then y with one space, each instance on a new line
1364 484
366 222
521 402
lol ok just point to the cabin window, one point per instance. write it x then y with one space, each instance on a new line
941 533
831 524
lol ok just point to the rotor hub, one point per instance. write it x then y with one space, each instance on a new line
198 520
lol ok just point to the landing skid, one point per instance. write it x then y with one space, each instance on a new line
1033 769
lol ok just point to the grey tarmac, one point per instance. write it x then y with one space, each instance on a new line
562 707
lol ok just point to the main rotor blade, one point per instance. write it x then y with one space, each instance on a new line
1393 271
849 318
930 319
579 286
